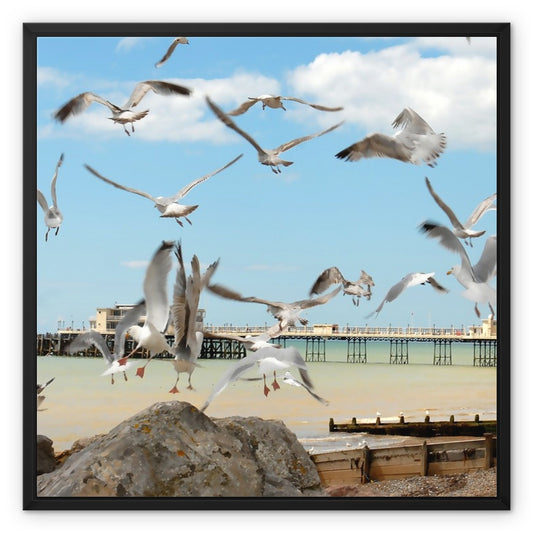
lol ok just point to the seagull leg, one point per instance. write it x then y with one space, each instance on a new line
57 230
492 310
125 377
190 387
266 390
46 236
112 380
275 384
179 222
174 389
188 220
477 311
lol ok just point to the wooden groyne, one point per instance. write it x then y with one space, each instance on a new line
427 428
485 349
364 465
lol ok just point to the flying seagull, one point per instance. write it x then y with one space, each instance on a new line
188 337
268 361
167 205
474 278
171 48
416 143
250 342
356 289
151 334
464 231
409 280
121 115
288 314
40 387
289 379
52 215
275 102
90 338
266 157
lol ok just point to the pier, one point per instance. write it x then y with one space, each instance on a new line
317 338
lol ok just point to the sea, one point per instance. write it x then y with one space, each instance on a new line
80 402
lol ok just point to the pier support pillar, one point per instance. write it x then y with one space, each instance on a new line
485 353
442 352
399 352
356 350
315 349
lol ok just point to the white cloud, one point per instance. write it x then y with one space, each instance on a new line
455 94
49 76
126 44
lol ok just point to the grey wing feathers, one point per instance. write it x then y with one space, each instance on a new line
88 339
81 102
291 144
42 201
305 304
480 210
315 106
451 215
158 86
54 179
437 286
243 107
118 185
412 122
485 268
327 278
129 319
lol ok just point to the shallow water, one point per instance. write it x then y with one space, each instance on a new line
81 403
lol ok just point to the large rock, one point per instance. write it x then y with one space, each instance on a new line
46 459
173 449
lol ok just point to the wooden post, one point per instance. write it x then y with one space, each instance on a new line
488 450
366 465
331 424
424 452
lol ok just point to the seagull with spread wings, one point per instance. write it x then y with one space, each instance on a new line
121 115
356 289
288 314
168 206
90 338
52 215
409 280
464 231
276 102
416 143
474 278
188 336
266 157
171 48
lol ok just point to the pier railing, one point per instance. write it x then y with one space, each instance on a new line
356 331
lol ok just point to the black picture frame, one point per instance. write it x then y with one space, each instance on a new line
501 31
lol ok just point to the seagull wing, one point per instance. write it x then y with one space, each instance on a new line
81 102
170 50
294 142
88 339
448 240
395 291
326 279
243 107
376 145
312 302
485 268
183 192
412 122
315 106
231 294
480 210
42 201
230 124
450 214
155 287
54 179
232 374
291 380
118 185
129 319
179 301
159 87
436 285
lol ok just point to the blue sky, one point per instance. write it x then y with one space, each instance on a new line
274 234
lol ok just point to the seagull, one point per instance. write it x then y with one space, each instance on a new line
474 278
288 314
167 205
333 275
250 342
90 338
416 143
291 380
269 361
171 48
52 216
40 387
151 334
121 115
410 280
188 337
266 157
464 231
275 102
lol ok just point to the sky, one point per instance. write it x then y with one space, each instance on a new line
273 233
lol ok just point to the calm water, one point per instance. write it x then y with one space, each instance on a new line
81 403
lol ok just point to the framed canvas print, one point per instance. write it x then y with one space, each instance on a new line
316 314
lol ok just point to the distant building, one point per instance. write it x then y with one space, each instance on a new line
488 328
107 318
325 329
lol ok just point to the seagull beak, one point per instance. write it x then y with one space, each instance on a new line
449 272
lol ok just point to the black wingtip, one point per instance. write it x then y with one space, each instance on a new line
343 154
